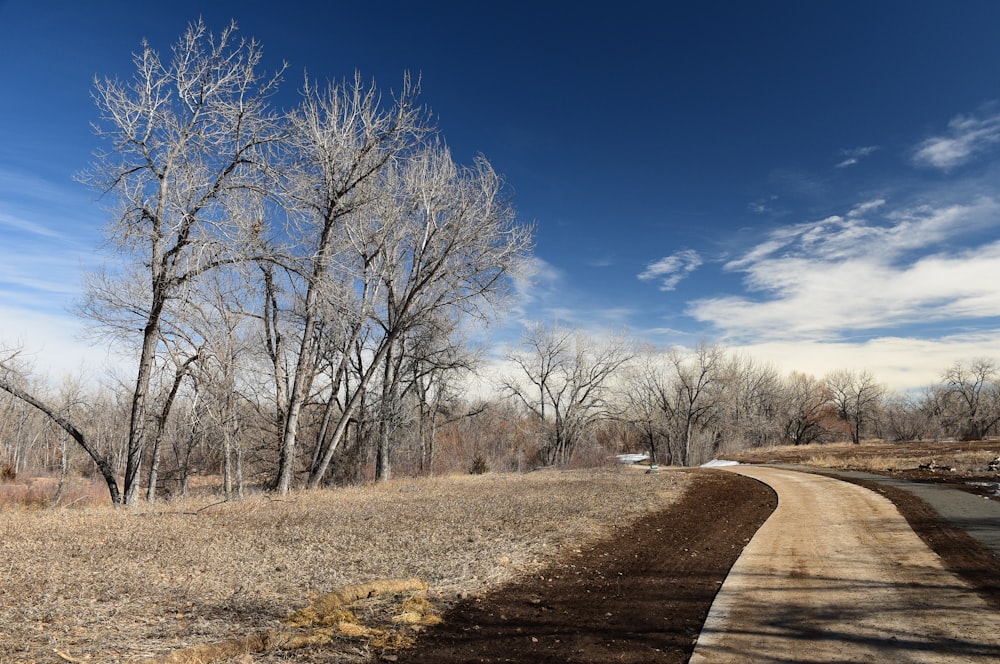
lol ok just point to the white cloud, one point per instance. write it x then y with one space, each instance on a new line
854 155
51 343
967 135
762 205
670 270
902 363
545 295
843 274
536 282
49 233
866 207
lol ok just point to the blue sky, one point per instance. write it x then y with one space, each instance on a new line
815 182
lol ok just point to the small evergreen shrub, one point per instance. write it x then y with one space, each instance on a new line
478 466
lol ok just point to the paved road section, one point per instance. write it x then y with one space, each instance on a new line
836 575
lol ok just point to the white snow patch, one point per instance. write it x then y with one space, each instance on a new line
630 458
717 463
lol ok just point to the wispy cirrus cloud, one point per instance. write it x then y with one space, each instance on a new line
868 269
545 293
967 136
763 205
672 269
853 156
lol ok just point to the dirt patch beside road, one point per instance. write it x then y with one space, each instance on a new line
639 597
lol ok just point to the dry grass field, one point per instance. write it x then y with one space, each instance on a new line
92 583
85 582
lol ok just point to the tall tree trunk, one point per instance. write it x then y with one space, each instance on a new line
154 470
138 416
389 412
227 463
350 408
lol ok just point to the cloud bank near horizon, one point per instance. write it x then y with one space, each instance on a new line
872 268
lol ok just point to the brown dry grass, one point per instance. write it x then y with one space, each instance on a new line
877 456
43 492
114 585
963 462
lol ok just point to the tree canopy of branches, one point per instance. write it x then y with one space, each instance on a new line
857 397
972 397
389 235
186 142
362 227
565 379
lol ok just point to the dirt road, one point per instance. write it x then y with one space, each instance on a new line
837 575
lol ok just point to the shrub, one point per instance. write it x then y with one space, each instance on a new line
7 472
479 466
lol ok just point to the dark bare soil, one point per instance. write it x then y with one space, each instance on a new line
640 597
644 595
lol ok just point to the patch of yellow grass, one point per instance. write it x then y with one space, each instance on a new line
329 608
320 623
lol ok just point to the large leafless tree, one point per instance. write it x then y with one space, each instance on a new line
341 139
440 241
185 141
972 397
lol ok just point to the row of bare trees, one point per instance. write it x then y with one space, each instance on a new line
685 406
565 398
272 259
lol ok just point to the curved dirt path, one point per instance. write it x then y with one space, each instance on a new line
837 575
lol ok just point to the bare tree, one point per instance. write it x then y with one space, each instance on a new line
698 397
565 380
857 398
186 140
973 390
440 240
340 141
906 418
436 361
803 410
652 403
8 383
751 398
21 424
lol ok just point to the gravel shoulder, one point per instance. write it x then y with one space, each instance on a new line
837 574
